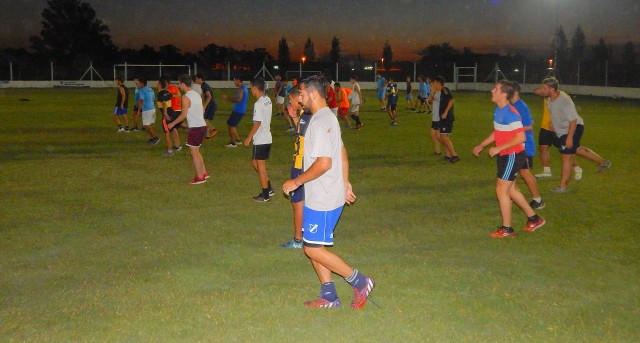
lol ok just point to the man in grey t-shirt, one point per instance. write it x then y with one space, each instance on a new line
327 188
569 127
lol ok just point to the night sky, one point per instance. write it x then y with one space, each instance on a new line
516 26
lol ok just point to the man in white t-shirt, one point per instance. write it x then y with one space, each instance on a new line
356 99
193 110
327 188
261 135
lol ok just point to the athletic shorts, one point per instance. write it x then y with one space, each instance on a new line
261 152
529 164
422 100
392 104
280 100
173 114
435 125
446 127
119 111
234 119
382 94
576 141
298 194
318 226
148 117
509 165
546 137
408 97
210 110
195 136
354 108
343 111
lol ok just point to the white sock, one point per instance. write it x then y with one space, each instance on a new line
538 199
547 170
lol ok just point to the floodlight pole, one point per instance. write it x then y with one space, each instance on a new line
125 71
10 71
195 68
336 71
415 64
375 70
51 70
160 69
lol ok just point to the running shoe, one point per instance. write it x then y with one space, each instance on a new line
271 193
168 153
121 130
604 166
503 232
543 175
560 190
537 205
177 148
534 225
322 303
360 297
577 174
454 159
261 198
154 141
292 244
231 145
198 180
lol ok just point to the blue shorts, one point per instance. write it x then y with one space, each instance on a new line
318 226
298 194
382 94
119 111
408 96
234 119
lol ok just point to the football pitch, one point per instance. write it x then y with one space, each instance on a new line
103 240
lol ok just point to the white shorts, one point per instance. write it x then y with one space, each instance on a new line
280 100
354 108
335 111
148 117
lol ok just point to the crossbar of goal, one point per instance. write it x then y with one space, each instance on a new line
465 72
159 66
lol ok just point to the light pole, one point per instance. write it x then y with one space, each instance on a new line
304 58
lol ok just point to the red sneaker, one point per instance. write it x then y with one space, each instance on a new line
534 225
322 303
360 297
503 232
198 180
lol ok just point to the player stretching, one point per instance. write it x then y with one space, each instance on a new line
509 137
327 188
193 110
261 135
238 111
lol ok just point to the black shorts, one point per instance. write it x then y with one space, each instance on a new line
576 141
546 137
510 165
261 152
210 111
529 164
298 194
435 125
173 114
446 127
234 119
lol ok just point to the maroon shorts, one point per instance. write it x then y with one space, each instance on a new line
195 136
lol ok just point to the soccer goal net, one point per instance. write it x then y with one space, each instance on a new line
150 71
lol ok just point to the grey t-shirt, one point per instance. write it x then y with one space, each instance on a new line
323 139
563 111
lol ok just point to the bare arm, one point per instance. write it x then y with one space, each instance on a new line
186 104
519 138
254 129
446 110
572 129
349 196
319 167
122 96
487 141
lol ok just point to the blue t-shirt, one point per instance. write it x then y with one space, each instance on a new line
147 95
381 84
527 120
241 106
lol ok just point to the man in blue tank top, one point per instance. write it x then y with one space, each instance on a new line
238 111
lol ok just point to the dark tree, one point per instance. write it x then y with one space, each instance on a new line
387 55
334 54
284 55
578 45
560 46
170 54
309 50
628 54
70 30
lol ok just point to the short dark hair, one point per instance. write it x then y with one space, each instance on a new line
163 82
337 84
508 87
237 77
259 83
354 77
318 83
439 79
551 82
119 79
142 80
199 76
186 79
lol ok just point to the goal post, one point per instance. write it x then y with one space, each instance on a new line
465 73
150 71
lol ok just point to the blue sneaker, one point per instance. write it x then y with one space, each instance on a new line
292 244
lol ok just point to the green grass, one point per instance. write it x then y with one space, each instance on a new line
102 239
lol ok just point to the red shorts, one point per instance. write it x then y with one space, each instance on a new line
195 136
343 111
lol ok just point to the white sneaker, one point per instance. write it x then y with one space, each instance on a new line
577 174
231 145
543 174
121 130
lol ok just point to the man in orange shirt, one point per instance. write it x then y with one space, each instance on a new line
343 103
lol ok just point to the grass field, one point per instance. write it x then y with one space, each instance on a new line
103 240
